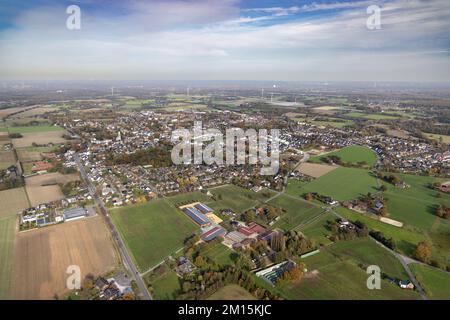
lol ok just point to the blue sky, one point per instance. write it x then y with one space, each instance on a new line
321 40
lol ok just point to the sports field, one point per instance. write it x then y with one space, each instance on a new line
231 292
153 230
7 232
297 212
329 277
352 154
436 283
340 184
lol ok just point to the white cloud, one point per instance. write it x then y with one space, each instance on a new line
197 40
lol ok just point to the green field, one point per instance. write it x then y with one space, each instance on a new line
236 198
445 138
337 278
219 253
153 230
406 239
297 212
372 116
436 283
7 231
232 292
166 285
32 129
415 205
352 154
340 184
367 252
316 230
330 122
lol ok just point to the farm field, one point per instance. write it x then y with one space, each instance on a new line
44 188
445 138
7 158
231 292
13 201
317 231
40 138
165 285
367 252
7 234
436 283
236 198
372 116
28 156
34 129
405 238
153 230
415 205
297 212
332 122
41 257
332 278
340 184
315 170
352 154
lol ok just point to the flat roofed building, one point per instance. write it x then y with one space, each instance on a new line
74 213
203 208
197 216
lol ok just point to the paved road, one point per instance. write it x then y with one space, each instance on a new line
126 258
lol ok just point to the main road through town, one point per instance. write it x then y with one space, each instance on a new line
126 258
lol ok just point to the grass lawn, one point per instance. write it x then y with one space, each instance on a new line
236 198
339 279
435 283
153 230
295 187
166 285
232 292
406 239
352 154
221 254
7 231
34 129
341 184
297 212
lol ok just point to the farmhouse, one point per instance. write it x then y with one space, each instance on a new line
41 166
74 214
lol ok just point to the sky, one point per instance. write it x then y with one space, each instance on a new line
299 40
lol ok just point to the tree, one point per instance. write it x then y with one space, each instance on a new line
383 188
422 252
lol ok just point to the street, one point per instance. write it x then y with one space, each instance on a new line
126 258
